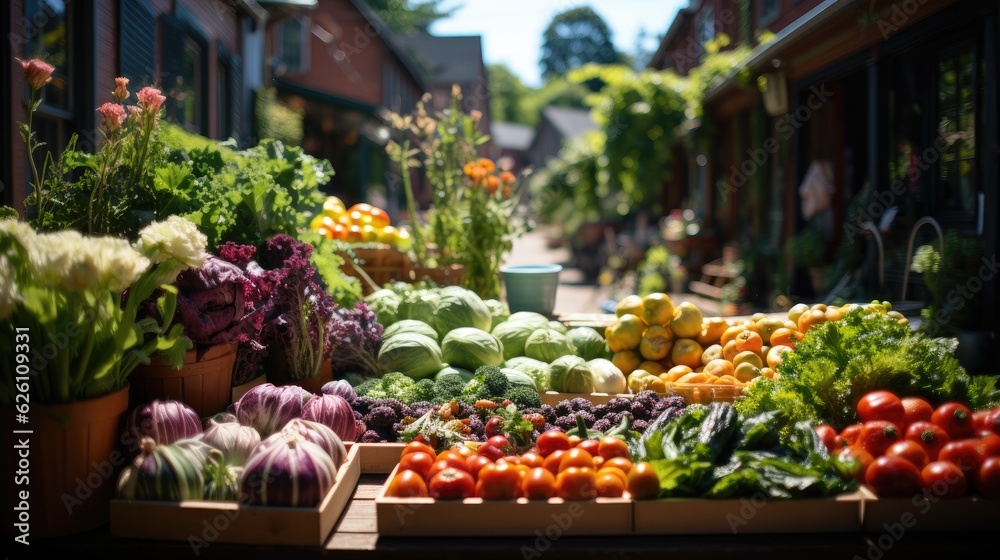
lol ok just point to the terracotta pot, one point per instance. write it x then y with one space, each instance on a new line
204 382
72 464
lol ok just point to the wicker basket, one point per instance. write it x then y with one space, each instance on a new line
376 267
442 276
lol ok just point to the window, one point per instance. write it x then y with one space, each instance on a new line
959 89
47 37
769 12
293 44
185 65
224 90
705 30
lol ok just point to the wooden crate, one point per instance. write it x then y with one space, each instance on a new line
204 522
475 517
378 458
553 398
924 513
684 516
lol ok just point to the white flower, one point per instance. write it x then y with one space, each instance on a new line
9 297
119 263
175 238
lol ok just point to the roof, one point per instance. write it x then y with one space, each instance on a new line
393 41
568 121
512 136
658 59
448 60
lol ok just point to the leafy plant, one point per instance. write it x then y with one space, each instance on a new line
276 120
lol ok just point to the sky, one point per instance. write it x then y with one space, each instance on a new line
512 29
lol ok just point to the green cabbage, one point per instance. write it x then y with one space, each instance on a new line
471 348
498 310
571 374
607 377
414 355
449 371
539 371
519 378
420 305
461 308
537 319
410 326
588 343
557 326
513 335
385 304
547 345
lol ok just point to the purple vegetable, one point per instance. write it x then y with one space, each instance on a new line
163 421
267 408
342 388
333 412
290 472
212 302
313 432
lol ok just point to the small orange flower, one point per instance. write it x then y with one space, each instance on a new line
36 72
487 165
478 173
121 89
507 178
469 169
492 184
505 192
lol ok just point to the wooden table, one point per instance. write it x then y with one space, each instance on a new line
356 536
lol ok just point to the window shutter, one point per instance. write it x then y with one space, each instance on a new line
237 102
136 43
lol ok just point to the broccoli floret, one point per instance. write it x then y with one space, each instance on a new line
367 386
524 397
448 388
424 391
400 387
487 383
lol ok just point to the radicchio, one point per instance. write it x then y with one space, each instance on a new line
291 472
313 432
268 408
333 412
342 388
163 421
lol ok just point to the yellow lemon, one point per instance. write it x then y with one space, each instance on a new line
686 352
686 321
655 343
625 333
657 309
627 361
630 305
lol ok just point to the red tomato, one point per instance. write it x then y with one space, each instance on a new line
575 483
415 446
881 405
475 463
499 482
407 484
988 444
552 461
979 420
447 463
539 484
944 479
502 444
610 447
916 410
591 446
552 440
856 459
932 438
988 478
609 485
531 460
990 421
849 435
490 452
909 450
418 462
954 418
464 450
643 482
964 453
576 457
451 484
828 435
877 435
893 477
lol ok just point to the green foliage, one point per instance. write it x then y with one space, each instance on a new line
507 96
8 213
569 189
839 362
276 120
573 38
408 16
805 249
555 92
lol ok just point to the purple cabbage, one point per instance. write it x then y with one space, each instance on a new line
313 432
268 408
333 412
288 472
163 421
342 388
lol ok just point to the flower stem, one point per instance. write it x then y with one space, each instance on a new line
411 205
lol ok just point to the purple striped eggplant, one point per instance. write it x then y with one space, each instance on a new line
333 412
313 432
288 472
268 408
163 421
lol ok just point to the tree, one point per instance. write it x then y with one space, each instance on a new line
574 38
507 95
558 92
409 16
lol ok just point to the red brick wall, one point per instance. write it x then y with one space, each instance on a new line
791 10
106 37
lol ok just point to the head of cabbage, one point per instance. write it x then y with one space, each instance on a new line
498 310
607 377
547 345
459 308
419 305
471 348
410 326
537 370
588 343
537 319
414 355
513 335
571 374
385 304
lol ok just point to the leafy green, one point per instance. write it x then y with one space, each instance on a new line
839 362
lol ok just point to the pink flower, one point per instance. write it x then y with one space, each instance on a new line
114 115
37 73
150 99
120 92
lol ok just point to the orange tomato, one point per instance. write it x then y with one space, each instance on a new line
623 463
418 462
538 484
609 485
615 471
576 457
589 445
577 483
415 446
476 463
407 484
553 459
499 481
532 460
611 447
643 483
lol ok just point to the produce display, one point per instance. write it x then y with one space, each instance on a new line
904 446
361 223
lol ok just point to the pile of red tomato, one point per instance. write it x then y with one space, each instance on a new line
904 446
559 466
